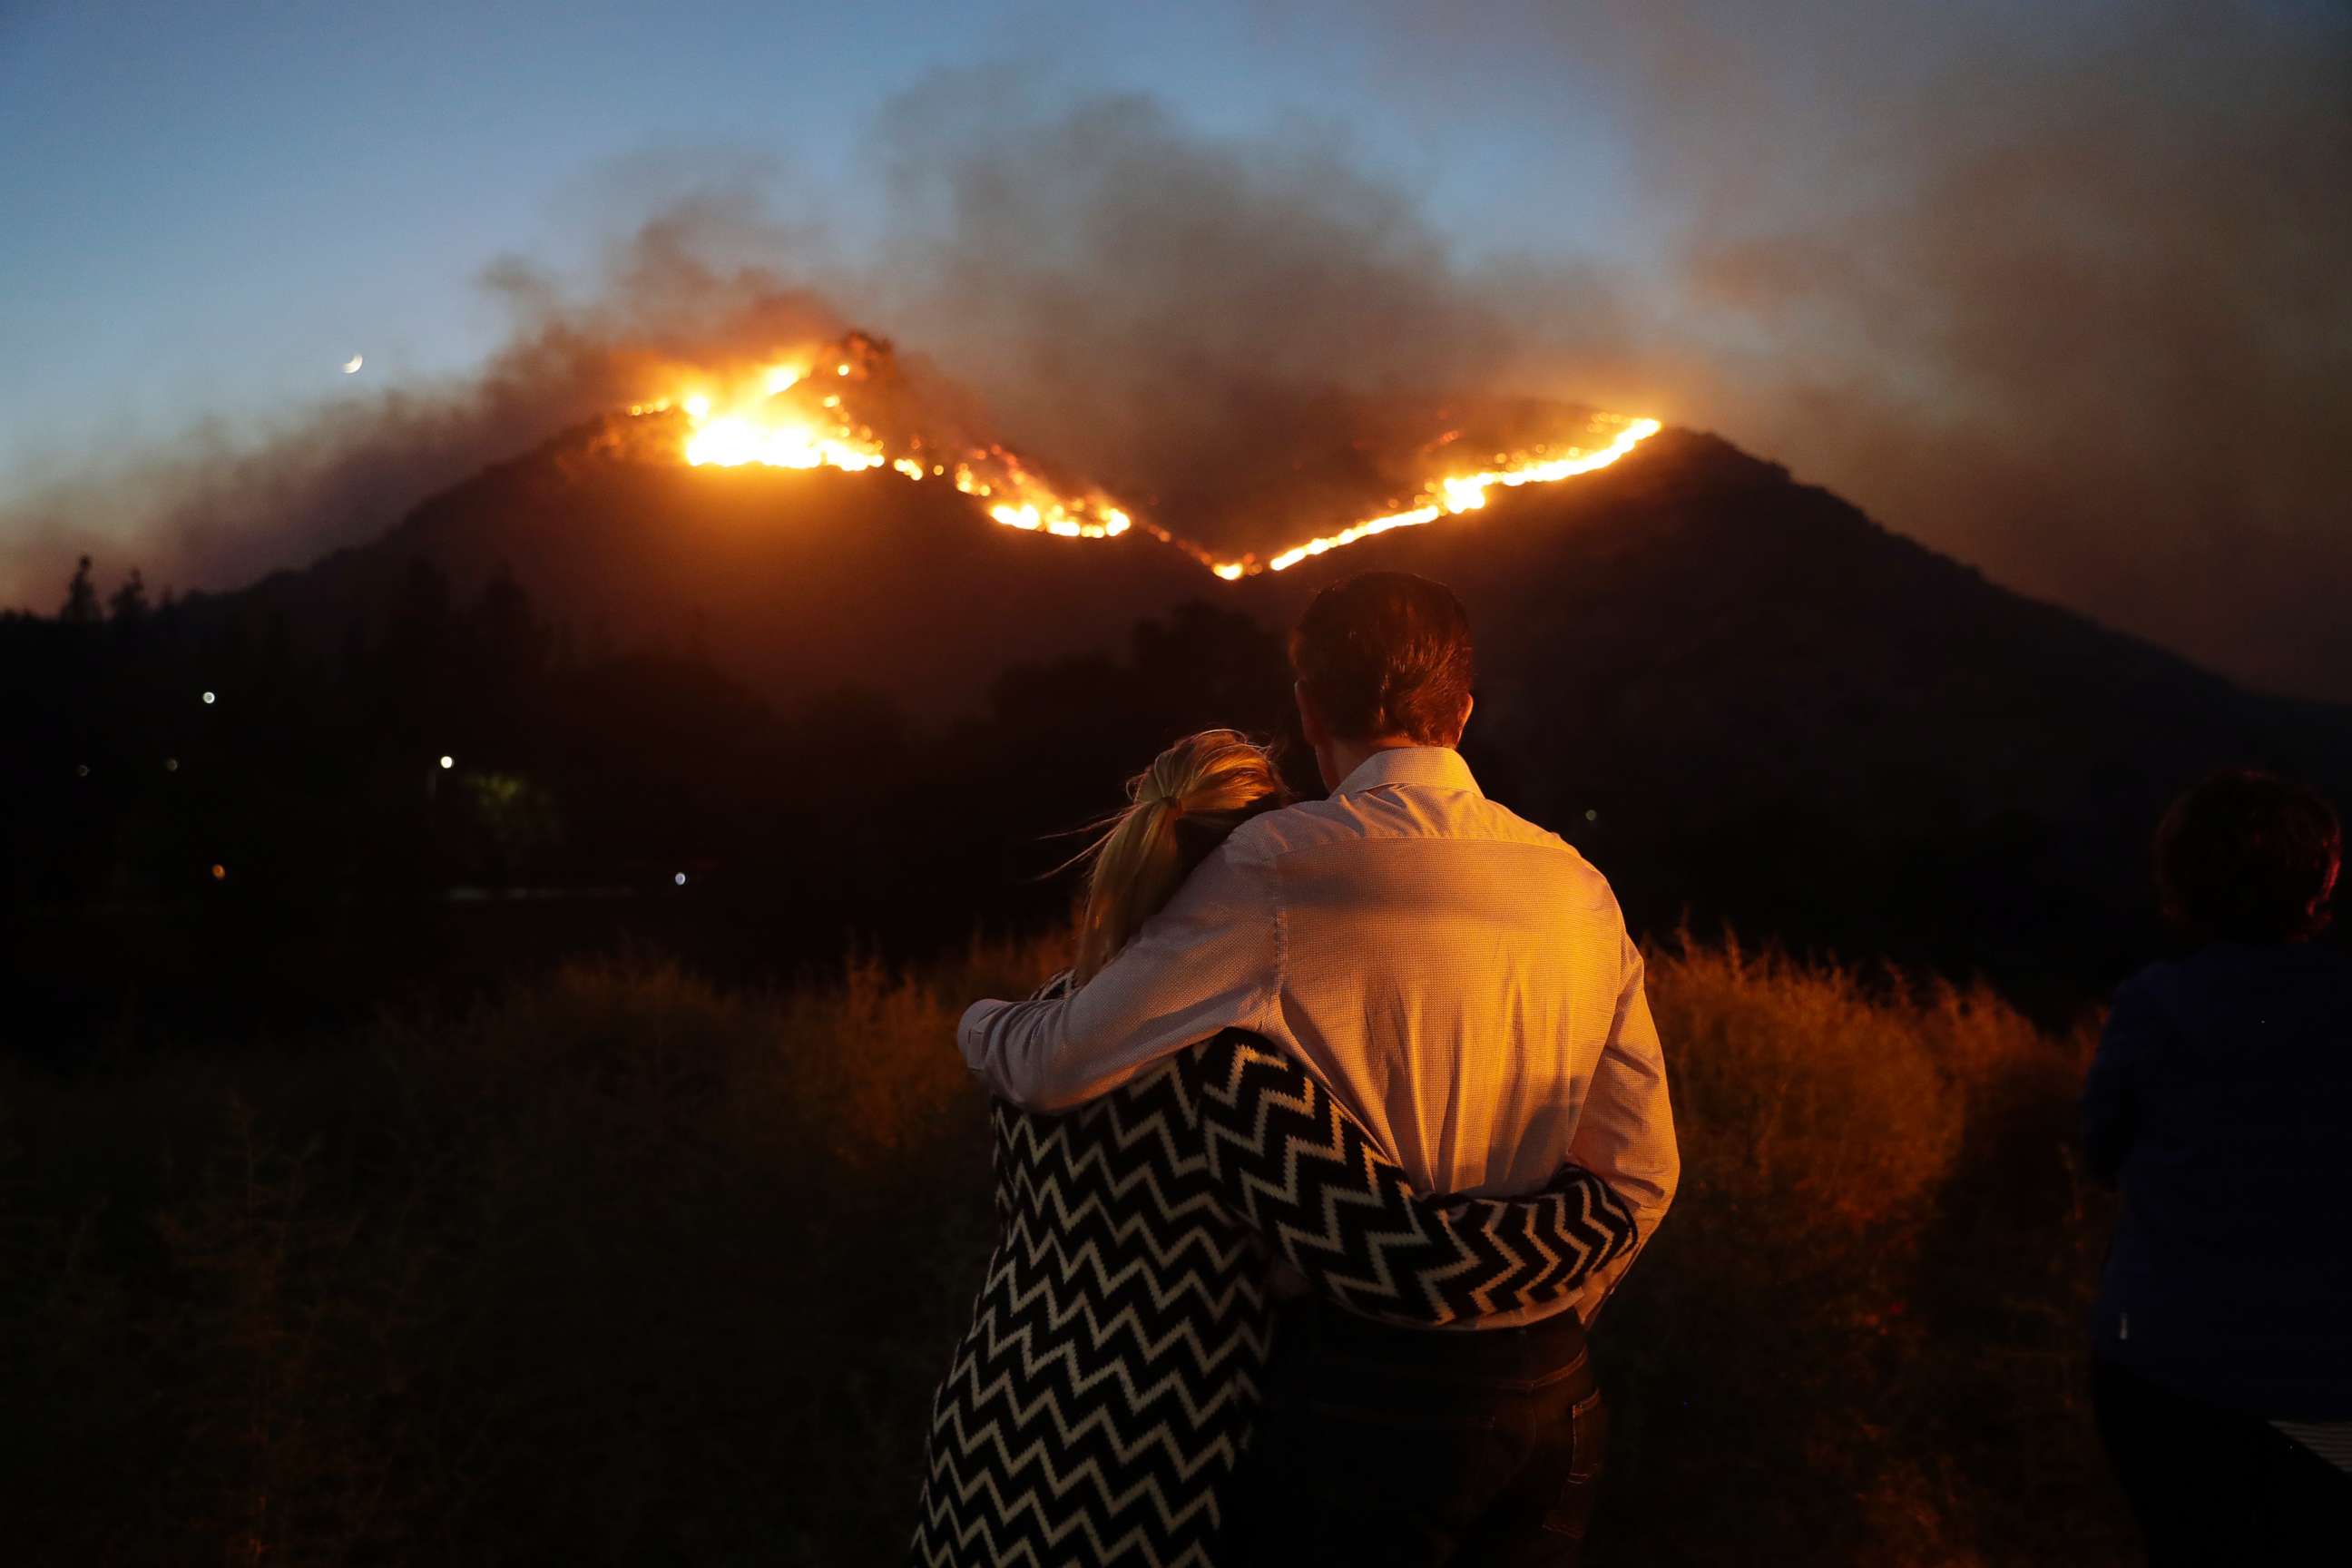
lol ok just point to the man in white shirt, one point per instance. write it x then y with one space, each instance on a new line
1463 981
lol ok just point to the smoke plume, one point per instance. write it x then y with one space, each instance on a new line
2058 290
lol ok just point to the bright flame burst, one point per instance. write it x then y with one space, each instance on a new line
791 415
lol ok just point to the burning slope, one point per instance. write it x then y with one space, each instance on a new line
1452 495
845 405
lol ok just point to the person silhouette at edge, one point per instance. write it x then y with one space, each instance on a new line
2220 1099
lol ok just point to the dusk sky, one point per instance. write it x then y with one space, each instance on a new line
2003 280
210 218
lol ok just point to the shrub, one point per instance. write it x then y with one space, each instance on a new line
1804 1361
618 1267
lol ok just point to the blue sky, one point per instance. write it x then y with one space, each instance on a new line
209 207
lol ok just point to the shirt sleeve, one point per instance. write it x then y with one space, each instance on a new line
1210 961
1626 1131
1285 1161
2110 1118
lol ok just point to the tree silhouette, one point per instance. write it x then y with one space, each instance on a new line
129 605
81 598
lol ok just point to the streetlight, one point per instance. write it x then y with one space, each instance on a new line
447 760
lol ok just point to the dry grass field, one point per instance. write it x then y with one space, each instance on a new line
621 1267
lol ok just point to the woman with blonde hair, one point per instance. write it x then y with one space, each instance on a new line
1109 1381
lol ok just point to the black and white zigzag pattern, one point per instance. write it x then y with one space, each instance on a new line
1287 1162
1107 1386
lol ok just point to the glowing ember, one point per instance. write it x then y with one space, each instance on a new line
787 413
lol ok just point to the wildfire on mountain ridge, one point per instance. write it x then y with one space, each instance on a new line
843 405
1455 494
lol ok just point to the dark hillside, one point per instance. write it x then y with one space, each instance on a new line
1779 713
798 583
850 708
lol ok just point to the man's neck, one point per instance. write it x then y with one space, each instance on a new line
1347 756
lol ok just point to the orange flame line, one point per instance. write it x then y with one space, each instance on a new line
731 441
1454 497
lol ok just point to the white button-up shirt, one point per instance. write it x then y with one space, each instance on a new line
1458 977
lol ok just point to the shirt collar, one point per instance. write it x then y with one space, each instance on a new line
1427 767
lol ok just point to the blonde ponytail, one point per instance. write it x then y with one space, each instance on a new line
1211 780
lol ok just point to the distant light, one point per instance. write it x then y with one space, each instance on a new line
1591 816
81 769
208 698
449 762
170 764
680 879
841 370
220 872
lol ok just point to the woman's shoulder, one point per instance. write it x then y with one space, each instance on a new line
1062 983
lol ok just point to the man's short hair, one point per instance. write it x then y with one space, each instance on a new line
1386 654
2246 856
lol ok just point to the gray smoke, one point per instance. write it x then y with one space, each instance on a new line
215 511
2058 290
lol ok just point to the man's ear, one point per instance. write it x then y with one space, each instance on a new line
1310 723
1468 704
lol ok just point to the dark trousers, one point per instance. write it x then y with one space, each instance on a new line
1382 1445
2216 1486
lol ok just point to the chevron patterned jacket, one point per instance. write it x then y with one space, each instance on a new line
1107 1386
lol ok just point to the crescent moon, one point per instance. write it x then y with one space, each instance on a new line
352 365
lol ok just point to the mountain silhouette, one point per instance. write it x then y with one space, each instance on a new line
1746 701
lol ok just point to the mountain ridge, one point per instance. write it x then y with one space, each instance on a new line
1747 700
